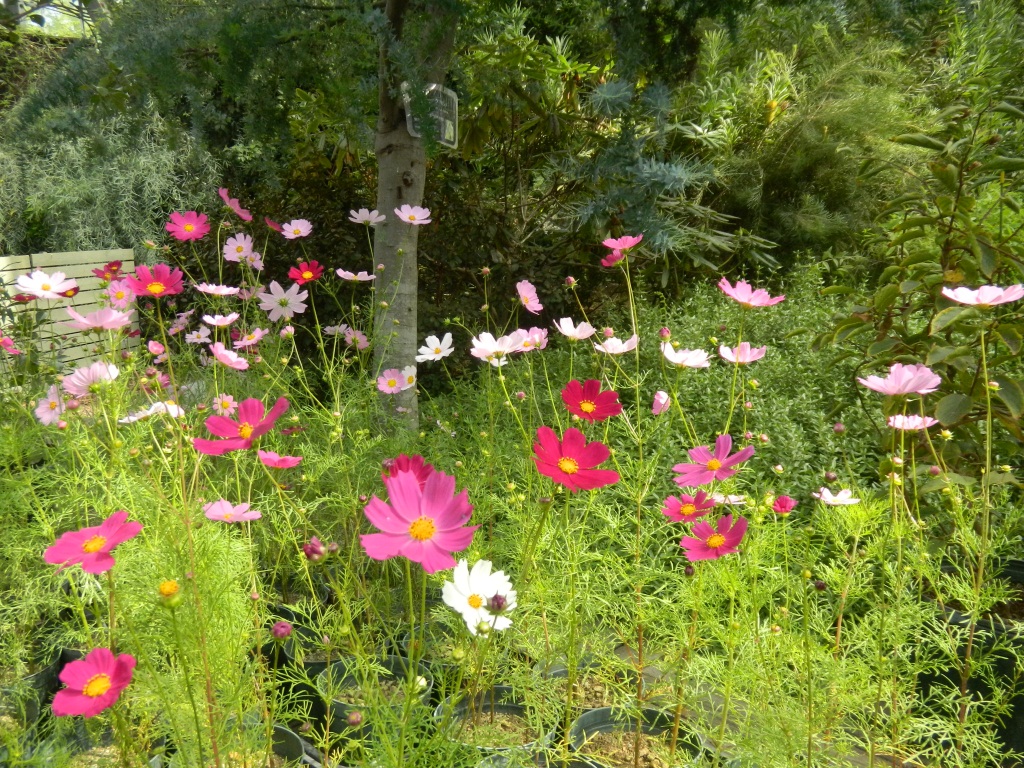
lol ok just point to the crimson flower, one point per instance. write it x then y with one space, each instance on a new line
306 272
109 271
687 509
187 226
571 461
93 683
161 280
711 466
588 401
91 546
784 505
241 434
708 543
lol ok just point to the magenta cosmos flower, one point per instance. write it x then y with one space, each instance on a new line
425 525
233 204
93 683
413 214
911 423
743 354
296 229
225 512
985 296
623 243
904 380
405 463
711 466
159 281
240 434
187 226
528 296
784 505
708 543
571 461
276 461
747 296
588 401
687 509
91 546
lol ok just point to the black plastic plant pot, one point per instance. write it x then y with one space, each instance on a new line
651 722
286 744
557 670
342 676
25 699
444 671
451 715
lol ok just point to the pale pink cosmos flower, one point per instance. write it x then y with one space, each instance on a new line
435 348
334 330
287 332
198 336
44 286
225 512
661 402
911 423
390 381
363 216
356 339
495 351
249 293
413 214
535 338
217 290
685 358
50 408
575 332
528 296
408 377
224 405
623 243
279 303
843 498
904 380
105 319
86 379
276 461
296 228
255 261
362 277
238 247
614 346
252 337
226 357
985 296
120 294
220 321
744 354
155 347
747 296
180 322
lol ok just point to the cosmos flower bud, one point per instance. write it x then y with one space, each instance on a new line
170 593
839 428
763 437
354 719
608 332
665 334
934 471
497 604
570 282
831 477
820 585
314 549
71 405
520 395
333 548
485 271
689 570
748 435
281 630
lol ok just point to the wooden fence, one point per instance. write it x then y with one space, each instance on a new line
76 348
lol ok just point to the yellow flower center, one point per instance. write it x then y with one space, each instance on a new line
688 509
224 405
245 430
437 350
587 406
412 217
714 464
569 466
410 379
94 544
97 686
229 515
715 540
156 288
45 286
422 529
168 588
524 299
119 295
307 275
296 231
392 382
53 405
189 227
239 249
475 601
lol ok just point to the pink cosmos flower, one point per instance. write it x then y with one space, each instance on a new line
661 402
356 339
199 336
44 286
105 319
709 543
233 204
413 214
363 216
93 683
687 509
743 354
85 380
7 345
155 347
272 224
226 357
91 546
623 243
224 405
161 280
226 512
535 338
279 303
405 463
296 228
685 358
614 346
528 296
911 423
495 351
220 321
120 294
711 466
241 434
180 322
249 293
49 408
390 381
747 296
571 461
985 296
237 247
287 332
784 505
904 380
841 499
575 332
425 525
217 290
362 277
276 461
254 260
613 258
187 226
251 338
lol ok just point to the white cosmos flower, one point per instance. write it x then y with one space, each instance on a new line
496 351
575 332
169 407
472 594
44 286
408 377
843 498
283 303
685 358
614 346
435 348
